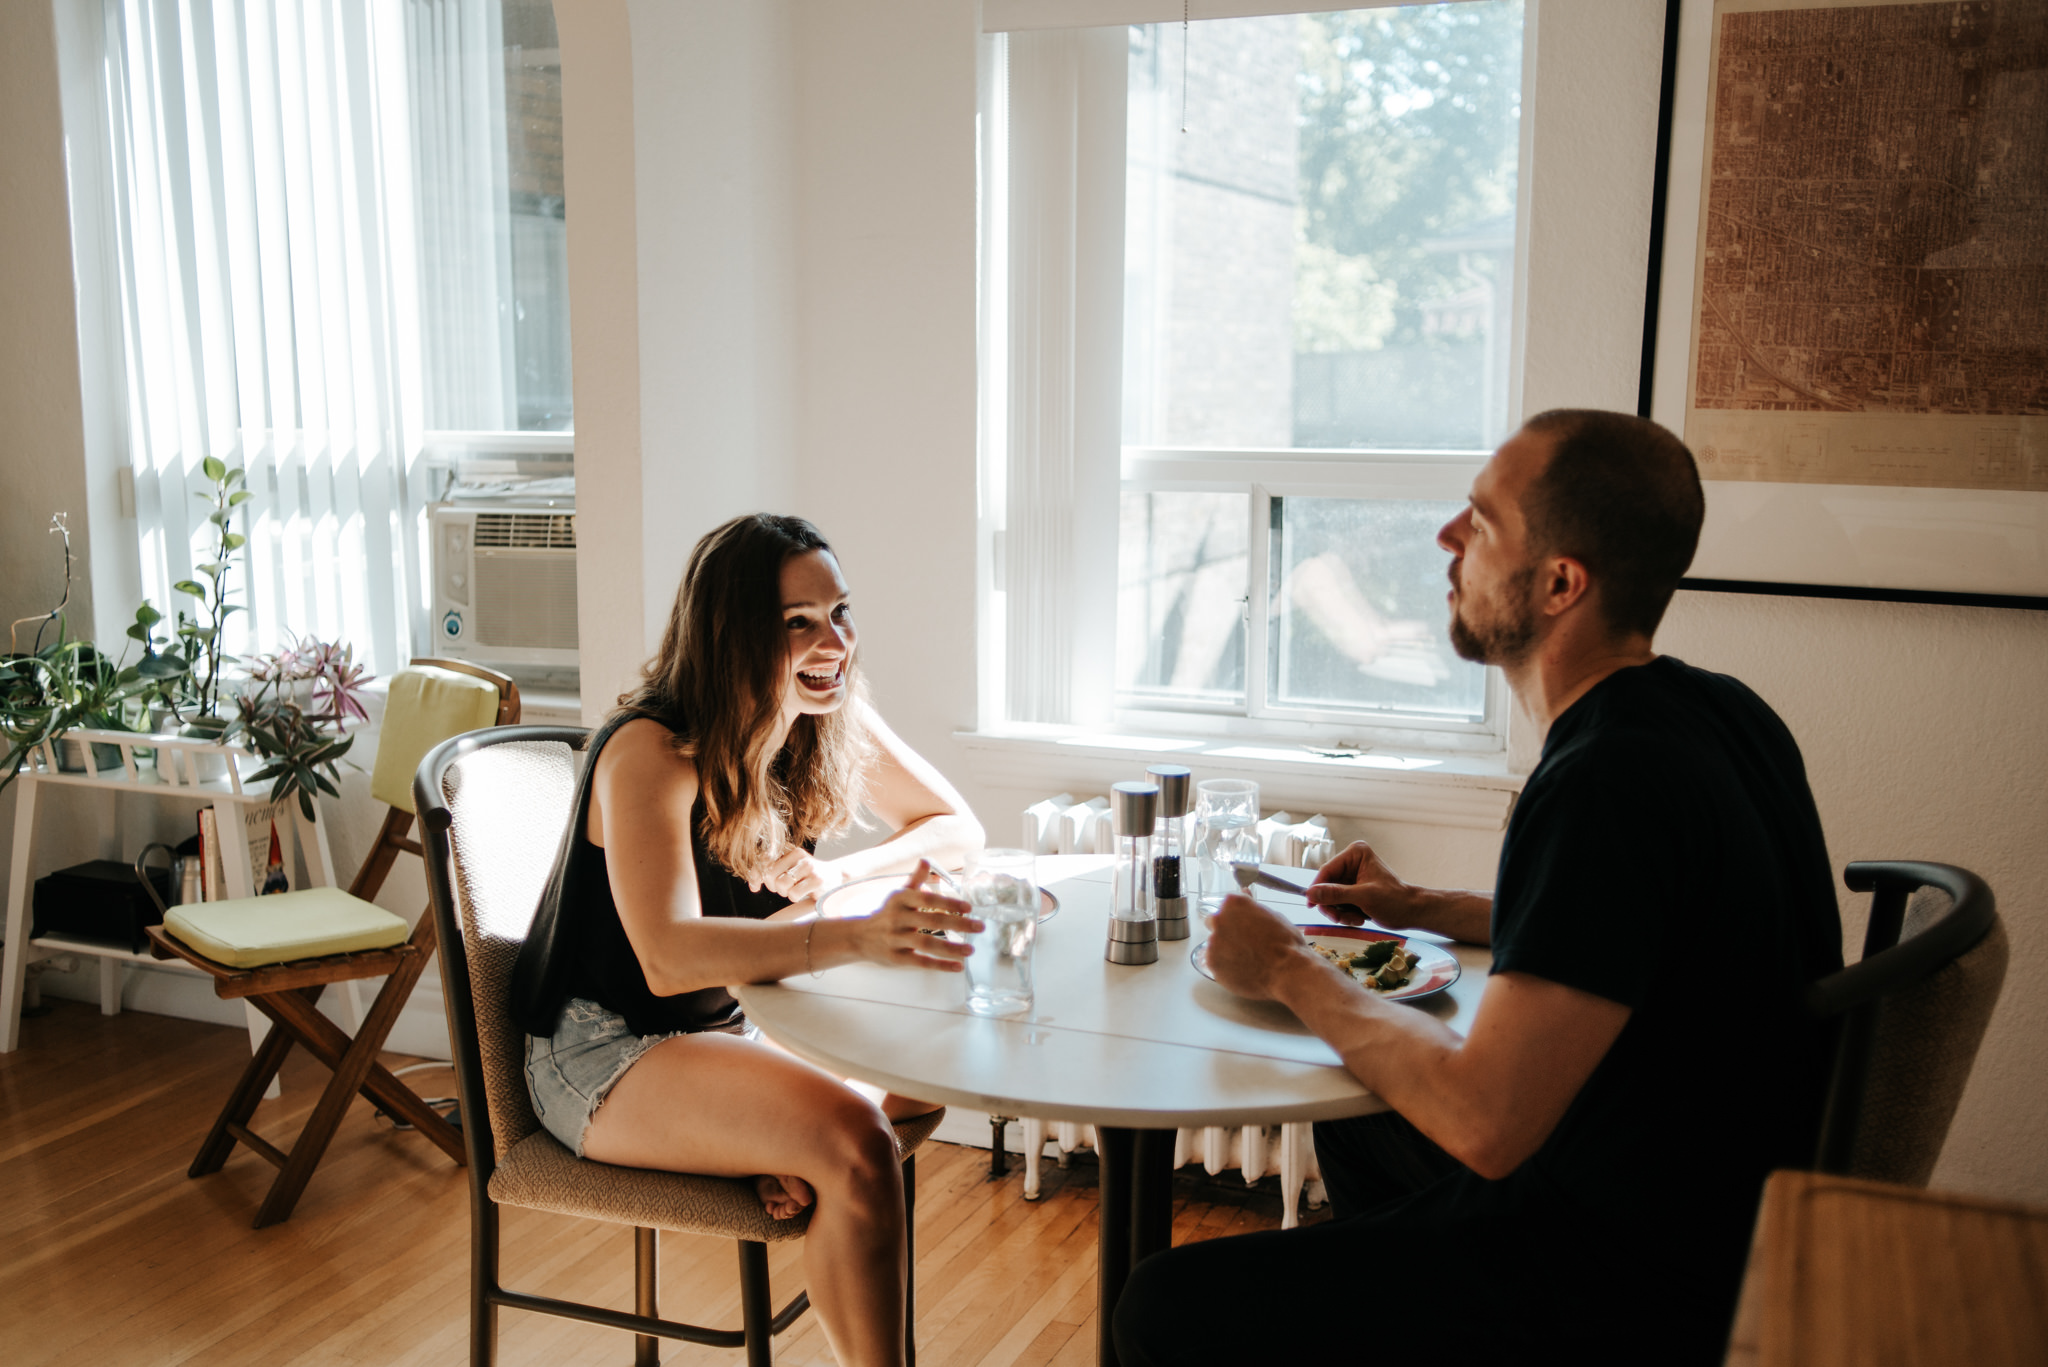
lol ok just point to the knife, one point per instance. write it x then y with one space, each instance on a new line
1250 875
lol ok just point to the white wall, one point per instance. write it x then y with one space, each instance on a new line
598 156
678 150
41 419
1924 738
714 113
886 262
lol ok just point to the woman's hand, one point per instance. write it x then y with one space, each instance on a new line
898 932
800 874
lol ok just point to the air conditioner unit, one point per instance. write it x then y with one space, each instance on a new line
504 584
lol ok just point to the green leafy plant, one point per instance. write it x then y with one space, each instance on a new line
165 676
293 712
49 690
199 635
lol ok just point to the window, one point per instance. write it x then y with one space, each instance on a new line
1313 221
337 237
494 277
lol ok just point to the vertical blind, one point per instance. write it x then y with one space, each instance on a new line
457 80
260 157
270 230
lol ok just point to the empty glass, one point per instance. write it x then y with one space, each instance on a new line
1001 887
1226 832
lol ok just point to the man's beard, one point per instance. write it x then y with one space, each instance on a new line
1508 636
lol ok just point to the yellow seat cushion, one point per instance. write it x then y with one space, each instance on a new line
423 708
249 932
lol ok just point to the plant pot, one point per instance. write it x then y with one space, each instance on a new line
206 767
74 756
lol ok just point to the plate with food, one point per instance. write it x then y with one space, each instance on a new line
1397 967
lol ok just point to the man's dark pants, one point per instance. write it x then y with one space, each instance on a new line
1406 1271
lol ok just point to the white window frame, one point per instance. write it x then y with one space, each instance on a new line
1073 344
1382 476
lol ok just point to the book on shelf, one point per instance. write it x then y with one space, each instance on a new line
271 844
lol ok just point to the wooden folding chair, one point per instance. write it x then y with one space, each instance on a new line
279 953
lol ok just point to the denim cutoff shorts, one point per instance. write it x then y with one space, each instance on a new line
569 1072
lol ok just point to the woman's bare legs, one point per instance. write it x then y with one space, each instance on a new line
896 1108
786 1196
729 1107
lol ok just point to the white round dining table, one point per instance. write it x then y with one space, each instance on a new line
1137 1051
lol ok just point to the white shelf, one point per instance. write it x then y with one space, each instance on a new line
49 946
172 770
177 778
148 780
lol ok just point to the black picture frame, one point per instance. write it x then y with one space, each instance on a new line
1688 34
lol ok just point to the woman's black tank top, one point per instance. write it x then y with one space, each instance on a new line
577 947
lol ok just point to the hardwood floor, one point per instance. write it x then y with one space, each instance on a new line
110 1255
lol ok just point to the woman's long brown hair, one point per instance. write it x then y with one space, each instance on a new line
718 682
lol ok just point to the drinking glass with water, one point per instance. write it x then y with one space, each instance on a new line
1001 887
1226 833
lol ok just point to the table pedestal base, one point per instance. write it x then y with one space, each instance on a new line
1136 1217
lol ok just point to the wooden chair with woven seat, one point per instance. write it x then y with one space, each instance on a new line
492 810
279 953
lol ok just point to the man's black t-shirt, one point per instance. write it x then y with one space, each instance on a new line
1666 854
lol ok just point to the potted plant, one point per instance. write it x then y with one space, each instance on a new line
192 664
293 712
47 691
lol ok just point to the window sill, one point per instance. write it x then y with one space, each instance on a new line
1429 788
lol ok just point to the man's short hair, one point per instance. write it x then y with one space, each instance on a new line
1620 495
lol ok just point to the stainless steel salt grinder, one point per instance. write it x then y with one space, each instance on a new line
1133 919
1170 849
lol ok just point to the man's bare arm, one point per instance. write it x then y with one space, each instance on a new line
1490 1099
1357 885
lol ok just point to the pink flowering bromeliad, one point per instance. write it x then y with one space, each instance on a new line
295 712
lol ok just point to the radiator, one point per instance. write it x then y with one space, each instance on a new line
1254 1150
1062 825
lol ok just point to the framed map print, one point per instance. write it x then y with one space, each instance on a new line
1851 315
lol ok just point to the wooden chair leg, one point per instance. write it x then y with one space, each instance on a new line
325 1041
756 1311
241 1104
311 1145
910 1260
351 1072
646 1293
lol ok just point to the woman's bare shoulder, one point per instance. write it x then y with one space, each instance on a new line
640 773
643 754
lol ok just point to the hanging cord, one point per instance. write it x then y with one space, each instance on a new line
1184 65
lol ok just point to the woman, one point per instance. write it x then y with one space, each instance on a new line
692 864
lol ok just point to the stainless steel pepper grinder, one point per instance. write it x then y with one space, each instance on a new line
1133 917
1169 850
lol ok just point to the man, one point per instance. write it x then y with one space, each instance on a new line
1577 1178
